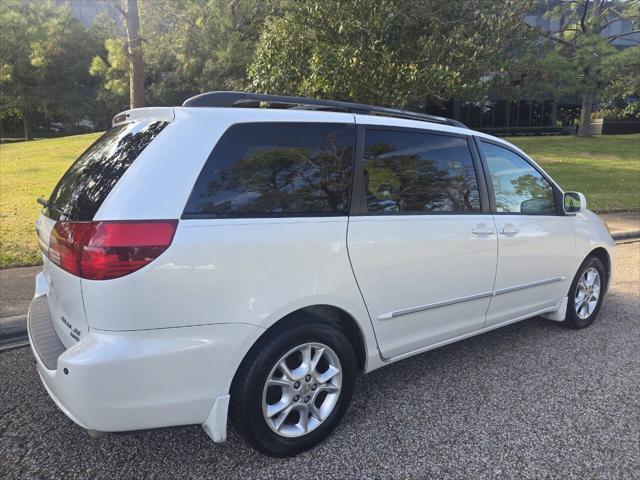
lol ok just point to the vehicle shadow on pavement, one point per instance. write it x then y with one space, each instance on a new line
529 400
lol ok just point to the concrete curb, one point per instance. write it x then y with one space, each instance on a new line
630 235
13 330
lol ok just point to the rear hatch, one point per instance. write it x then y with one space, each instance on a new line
74 203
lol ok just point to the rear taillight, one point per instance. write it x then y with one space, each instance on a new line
104 250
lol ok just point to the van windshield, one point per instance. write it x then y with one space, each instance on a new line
81 190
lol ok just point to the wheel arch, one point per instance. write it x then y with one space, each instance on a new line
602 254
329 314
345 321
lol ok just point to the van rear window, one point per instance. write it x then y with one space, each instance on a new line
276 169
81 190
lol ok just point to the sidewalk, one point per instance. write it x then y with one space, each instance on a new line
16 291
17 284
623 225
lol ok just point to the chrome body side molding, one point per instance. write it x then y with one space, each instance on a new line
528 285
470 298
431 306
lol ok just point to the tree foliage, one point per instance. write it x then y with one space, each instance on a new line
582 51
621 92
44 59
397 53
190 46
404 53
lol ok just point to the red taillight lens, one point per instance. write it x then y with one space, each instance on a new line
104 250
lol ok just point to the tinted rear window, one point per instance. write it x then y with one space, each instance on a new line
276 169
81 190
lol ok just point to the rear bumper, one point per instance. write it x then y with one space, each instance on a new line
119 381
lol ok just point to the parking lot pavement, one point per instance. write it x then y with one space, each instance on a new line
530 400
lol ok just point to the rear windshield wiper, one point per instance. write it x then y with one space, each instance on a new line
49 205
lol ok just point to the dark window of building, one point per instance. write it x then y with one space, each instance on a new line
536 113
407 172
86 184
524 114
277 169
547 113
514 112
500 114
475 114
487 109
518 187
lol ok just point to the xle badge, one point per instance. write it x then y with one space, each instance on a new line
74 333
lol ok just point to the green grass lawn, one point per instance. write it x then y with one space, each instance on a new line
29 170
606 169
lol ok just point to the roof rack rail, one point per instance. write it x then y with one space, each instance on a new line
246 99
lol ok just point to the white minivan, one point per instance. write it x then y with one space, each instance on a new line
225 260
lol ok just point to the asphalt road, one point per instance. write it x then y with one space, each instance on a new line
531 400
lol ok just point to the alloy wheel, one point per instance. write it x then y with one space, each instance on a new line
587 293
302 389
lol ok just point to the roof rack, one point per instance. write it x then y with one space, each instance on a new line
254 100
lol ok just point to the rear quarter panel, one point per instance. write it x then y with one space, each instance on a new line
252 271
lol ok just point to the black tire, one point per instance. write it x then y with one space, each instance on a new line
572 319
248 384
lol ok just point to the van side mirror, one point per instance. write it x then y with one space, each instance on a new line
574 202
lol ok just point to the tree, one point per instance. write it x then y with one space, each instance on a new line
44 54
400 53
134 51
189 47
122 61
620 96
580 40
211 43
18 78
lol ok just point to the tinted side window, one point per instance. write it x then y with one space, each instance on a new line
86 184
518 187
408 171
275 169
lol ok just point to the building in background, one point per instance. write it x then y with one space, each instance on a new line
500 115
86 11
494 114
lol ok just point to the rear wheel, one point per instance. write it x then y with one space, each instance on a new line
294 387
586 294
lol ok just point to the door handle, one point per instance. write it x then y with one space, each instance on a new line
509 229
482 229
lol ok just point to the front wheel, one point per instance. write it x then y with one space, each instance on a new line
586 294
294 387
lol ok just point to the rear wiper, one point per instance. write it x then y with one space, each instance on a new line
49 205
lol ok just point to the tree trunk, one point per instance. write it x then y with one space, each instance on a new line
134 50
234 13
585 115
456 108
26 122
47 128
584 130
